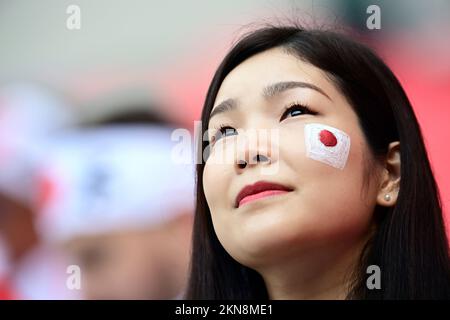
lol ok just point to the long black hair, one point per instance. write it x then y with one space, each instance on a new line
409 243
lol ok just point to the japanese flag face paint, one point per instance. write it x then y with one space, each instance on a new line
327 144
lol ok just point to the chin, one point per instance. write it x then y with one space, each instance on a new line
258 249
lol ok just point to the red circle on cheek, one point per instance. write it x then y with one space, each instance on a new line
328 138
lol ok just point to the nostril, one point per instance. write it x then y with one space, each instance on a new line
242 164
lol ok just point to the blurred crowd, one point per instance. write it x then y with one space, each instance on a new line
93 210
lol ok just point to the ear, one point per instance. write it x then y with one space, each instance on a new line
390 178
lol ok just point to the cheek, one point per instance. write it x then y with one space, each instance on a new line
220 210
216 193
317 145
329 169
327 144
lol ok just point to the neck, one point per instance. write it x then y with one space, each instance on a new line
318 274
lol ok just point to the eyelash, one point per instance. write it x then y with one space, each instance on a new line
222 130
297 105
294 106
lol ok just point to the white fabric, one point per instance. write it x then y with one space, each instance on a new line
116 178
28 115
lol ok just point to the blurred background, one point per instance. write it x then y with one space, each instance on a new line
82 102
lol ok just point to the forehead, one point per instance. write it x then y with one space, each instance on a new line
268 67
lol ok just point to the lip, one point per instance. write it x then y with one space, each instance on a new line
258 190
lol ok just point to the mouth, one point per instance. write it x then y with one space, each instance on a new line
259 190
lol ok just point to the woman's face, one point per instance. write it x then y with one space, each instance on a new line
328 204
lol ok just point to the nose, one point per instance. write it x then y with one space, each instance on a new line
242 164
254 150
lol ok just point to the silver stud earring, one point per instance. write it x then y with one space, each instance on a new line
387 197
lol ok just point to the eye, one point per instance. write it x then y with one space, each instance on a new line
295 110
223 131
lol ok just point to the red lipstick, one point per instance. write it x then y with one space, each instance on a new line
258 190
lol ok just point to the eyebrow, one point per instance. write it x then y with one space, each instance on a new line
268 92
279 87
